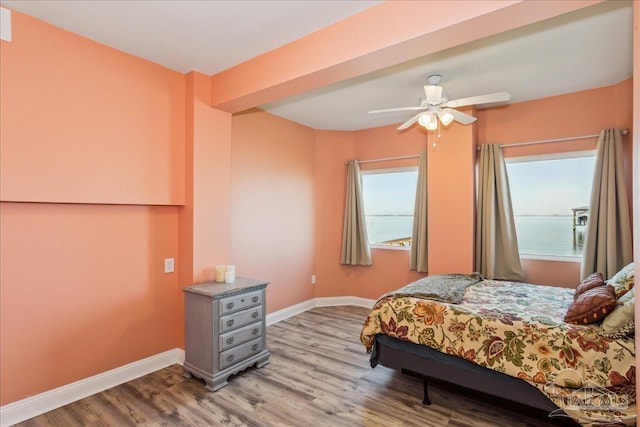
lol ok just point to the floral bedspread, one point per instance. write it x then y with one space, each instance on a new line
517 329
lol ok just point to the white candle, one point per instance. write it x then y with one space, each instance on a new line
231 268
229 277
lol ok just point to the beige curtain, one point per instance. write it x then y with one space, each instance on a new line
607 246
355 242
497 254
418 260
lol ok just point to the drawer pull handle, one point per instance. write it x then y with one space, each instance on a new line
229 305
230 358
230 340
230 322
254 347
254 298
255 331
254 314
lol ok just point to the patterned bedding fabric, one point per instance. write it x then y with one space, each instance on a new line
517 329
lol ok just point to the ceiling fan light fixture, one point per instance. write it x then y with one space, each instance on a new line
432 123
445 117
425 119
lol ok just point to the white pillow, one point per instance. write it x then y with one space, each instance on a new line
621 315
622 281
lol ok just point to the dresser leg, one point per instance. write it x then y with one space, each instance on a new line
187 374
209 385
263 361
216 383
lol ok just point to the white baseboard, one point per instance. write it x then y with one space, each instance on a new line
290 311
33 406
333 301
287 312
30 407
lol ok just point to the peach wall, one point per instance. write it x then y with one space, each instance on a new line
83 291
205 220
273 205
555 273
332 149
623 94
574 114
390 268
82 285
85 123
578 113
451 199
385 141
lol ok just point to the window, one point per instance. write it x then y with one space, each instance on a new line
550 197
389 198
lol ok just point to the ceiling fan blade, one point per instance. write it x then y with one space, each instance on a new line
389 110
481 99
460 117
409 122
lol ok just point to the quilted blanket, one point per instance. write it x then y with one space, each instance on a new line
439 287
517 329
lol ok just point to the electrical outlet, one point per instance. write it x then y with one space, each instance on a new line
169 265
313 279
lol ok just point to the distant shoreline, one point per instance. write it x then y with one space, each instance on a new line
543 215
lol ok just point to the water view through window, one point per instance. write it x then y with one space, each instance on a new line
548 197
389 198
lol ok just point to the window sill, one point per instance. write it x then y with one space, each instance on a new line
390 247
560 258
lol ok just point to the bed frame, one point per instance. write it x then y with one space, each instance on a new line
431 364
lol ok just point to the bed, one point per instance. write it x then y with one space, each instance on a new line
507 340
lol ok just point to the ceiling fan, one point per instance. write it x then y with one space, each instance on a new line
437 106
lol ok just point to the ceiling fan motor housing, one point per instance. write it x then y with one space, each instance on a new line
434 79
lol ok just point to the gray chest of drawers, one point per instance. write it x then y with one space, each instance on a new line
225 330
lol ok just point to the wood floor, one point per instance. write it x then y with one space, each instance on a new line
318 376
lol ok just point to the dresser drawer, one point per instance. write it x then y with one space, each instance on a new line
236 354
242 318
240 302
238 336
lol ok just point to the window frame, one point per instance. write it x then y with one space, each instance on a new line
384 171
542 157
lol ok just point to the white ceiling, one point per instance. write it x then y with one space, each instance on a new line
586 49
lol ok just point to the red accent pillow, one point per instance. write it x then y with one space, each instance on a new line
592 305
593 281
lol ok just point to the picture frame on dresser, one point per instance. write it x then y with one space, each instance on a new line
225 330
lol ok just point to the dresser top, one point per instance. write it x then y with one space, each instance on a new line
220 290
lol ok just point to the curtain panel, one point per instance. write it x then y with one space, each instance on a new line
496 242
608 246
418 258
355 241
